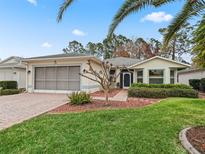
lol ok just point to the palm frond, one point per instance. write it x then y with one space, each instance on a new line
63 8
188 11
131 6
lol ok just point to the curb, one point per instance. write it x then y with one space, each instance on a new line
186 144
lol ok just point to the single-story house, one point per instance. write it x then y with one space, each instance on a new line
155 70
185 75
13 69
60 73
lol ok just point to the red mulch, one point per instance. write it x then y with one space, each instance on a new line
112 93
201 95
99 105
196 136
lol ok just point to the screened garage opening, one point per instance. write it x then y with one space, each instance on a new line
57 78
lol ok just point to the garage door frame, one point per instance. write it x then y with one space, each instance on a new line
53 91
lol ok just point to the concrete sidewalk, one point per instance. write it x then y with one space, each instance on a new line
121 96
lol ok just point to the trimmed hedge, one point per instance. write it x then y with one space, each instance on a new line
9 84
202 84
9 92
195 83
181 86
161 92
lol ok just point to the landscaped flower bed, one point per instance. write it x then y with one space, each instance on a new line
112 93
196 136
99 105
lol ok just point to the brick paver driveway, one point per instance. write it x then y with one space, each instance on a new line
17 108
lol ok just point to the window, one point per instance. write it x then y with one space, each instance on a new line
172 76
112 74
156 76
140 76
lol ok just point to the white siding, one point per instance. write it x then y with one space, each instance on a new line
85 84
185 77
158 63
18 75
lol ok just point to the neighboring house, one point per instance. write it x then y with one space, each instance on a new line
155 70
13 69
60 73
185 75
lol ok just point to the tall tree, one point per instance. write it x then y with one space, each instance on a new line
96 49
74 47
181 43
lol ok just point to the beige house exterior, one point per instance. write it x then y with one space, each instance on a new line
12 69
185 75
155 70
60 73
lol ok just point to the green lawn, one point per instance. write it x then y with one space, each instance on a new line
153 129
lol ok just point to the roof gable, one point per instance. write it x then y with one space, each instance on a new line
161 60
122 61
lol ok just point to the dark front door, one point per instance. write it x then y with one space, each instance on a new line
126 80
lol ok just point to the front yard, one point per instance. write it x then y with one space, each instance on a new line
152 129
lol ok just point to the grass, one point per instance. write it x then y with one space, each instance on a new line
153 129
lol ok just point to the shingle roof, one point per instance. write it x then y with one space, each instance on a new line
59 56
123 61
16 64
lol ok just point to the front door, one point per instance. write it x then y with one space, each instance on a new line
126 80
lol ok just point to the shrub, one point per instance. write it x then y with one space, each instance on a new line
9 91
161 92
202 84
195 83
9 84
79 98
182 86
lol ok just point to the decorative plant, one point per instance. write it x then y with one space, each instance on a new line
103 76
79 98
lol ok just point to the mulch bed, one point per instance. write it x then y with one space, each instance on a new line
100 105
202 95
196 136
112 93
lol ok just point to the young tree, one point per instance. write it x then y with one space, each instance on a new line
102 77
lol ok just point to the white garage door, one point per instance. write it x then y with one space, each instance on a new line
57 78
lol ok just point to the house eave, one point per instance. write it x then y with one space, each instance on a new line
185 65
61 58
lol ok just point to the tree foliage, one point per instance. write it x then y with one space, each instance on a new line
74 47
199 47
102 77
180 44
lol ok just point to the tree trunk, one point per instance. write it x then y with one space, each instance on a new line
106 95
174 49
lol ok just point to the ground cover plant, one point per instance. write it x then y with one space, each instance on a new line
152 129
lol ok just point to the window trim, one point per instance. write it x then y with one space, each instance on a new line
156 77
140 77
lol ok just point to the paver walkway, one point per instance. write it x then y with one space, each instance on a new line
17 108
121 96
